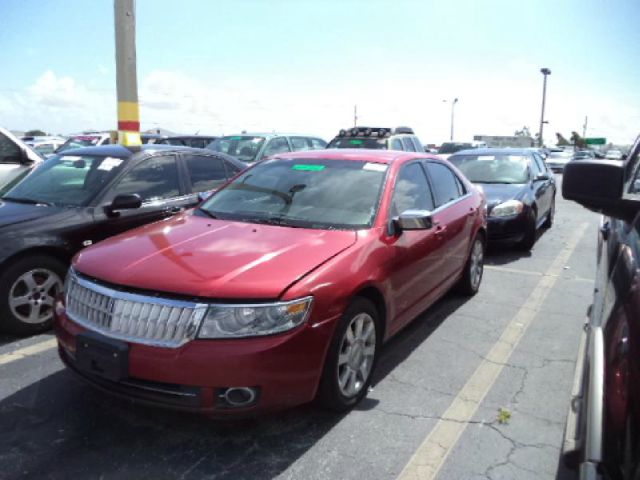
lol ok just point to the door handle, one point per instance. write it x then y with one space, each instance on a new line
174 209
472 211
605 230
440 229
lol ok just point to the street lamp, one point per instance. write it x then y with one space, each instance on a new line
453 104
545 72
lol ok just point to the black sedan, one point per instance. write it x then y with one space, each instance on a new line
80 197
520 191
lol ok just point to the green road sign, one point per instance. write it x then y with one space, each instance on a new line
595 141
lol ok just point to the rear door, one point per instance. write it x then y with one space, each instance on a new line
453 217
161 186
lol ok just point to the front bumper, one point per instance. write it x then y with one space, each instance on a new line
508 229
285 369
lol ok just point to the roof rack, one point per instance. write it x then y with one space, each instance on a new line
379 132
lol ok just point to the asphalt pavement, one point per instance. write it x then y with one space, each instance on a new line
473 389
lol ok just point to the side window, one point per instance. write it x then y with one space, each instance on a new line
408 144
299 144
106 141
411 191
154 179
445 185
206 173
276 145
535 168
9 151
418 145
540 163
318 144
396 144
232 169
461 188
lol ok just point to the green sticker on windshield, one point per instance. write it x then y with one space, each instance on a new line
355 142
235 138
308 168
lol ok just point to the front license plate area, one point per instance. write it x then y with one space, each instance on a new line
102 356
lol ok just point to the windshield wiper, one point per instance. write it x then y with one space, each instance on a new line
27 201
207 213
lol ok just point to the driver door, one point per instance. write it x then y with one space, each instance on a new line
159 183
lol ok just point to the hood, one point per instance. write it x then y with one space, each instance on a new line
12 213
497 193
197 256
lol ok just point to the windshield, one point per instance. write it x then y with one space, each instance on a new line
243 147
562 155
79 141
503 168
324 194
369 142
66 180
453 147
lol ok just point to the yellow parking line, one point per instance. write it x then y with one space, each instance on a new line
431 455
27 351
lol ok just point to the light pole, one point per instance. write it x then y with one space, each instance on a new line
545 72
453 104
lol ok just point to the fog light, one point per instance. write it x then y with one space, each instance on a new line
238 397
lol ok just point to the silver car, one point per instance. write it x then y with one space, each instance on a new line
16 159
253 147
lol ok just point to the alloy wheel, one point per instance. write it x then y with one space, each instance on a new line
356 355
476 265
33 294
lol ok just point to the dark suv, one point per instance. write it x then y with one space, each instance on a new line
602 434
400 138
80 197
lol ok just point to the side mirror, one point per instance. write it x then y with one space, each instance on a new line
541 177
24 157
126 201
413 220
599 186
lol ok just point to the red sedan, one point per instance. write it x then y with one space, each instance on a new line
280 288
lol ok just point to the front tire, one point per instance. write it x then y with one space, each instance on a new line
351 358
28 289
530 232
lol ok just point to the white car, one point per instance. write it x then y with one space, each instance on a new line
44 146
16 159
613 155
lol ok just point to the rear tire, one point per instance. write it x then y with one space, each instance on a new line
548 223
28 289
352 357
474 268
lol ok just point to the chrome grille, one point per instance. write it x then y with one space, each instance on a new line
132 317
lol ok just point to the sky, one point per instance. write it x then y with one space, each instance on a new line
219 67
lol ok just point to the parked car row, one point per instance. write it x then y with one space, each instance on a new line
257 270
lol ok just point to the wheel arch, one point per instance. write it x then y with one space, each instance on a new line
375 296
56 252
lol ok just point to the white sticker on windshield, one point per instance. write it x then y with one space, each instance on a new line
375 167
110 163
486 157
71 158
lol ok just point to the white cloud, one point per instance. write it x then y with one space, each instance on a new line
491 103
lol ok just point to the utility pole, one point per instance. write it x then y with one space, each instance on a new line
545 72
584 127
355 115
126 78
453 104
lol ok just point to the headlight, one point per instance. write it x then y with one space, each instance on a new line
507 209
232 321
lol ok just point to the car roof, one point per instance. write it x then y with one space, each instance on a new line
120 151
494 151
356 154
270 134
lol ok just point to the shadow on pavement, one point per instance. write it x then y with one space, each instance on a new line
502 254
61 428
